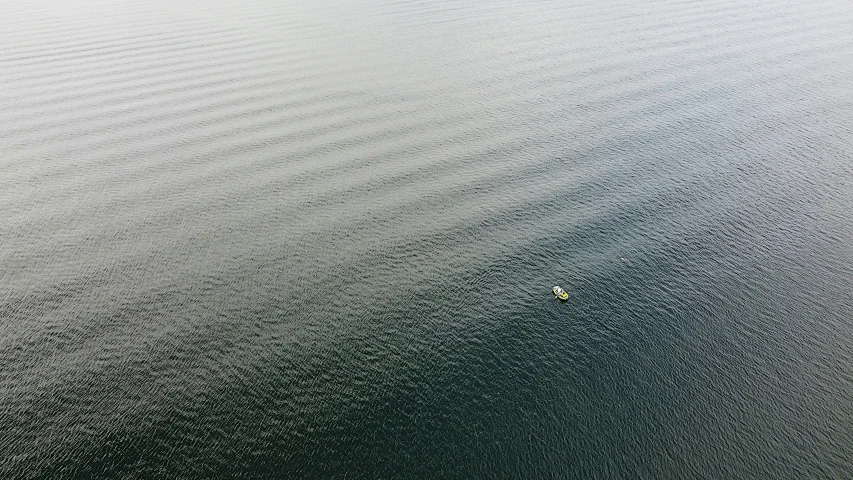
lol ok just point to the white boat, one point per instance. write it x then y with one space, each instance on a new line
560 293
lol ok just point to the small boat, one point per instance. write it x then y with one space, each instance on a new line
560 293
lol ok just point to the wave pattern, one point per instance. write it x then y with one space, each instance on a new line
317 240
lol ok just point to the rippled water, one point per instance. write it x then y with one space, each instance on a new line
317 239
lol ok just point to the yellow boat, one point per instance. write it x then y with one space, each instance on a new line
560 293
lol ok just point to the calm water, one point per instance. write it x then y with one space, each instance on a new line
317 239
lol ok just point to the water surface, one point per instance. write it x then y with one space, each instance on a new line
317 240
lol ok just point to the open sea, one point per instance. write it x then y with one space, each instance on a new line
317 239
